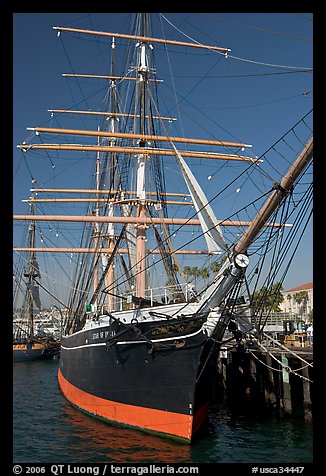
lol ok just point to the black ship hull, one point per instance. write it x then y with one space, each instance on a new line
160 384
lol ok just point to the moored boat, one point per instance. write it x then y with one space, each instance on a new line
132 355
27 343
35 349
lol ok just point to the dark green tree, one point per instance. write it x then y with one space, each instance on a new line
217 265
302 298
268 299
187 271
204 274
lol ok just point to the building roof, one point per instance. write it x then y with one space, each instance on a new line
302 287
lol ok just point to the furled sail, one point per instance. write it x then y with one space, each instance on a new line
212 232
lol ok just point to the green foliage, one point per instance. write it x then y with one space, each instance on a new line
301 297
311 316
217 265
268 299
196 273
203 273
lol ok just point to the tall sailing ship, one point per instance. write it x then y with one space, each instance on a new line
27 343
140 353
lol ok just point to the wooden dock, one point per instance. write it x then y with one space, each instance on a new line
276 377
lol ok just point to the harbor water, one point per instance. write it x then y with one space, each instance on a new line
47 429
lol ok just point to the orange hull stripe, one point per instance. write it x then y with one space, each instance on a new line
24 347
174 424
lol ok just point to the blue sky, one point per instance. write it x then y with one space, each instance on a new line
255 95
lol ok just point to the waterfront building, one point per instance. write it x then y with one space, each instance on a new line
299 302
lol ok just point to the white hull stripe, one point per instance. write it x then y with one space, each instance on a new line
131 341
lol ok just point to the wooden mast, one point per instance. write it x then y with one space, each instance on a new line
103 250
31 273
134 220
112 78
142 133
142 39
111 168
147 137
30 276
135 150
103 113
103 192
96 235
142 70
280 190
233 268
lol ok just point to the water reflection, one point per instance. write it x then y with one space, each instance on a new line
253 436
91 440
47 429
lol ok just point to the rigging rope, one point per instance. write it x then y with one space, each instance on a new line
227 55
287 349
285 366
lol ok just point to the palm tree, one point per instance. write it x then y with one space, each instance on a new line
289 298
187 271
311 317
204 274
301 298
217 265
268 299
195 272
